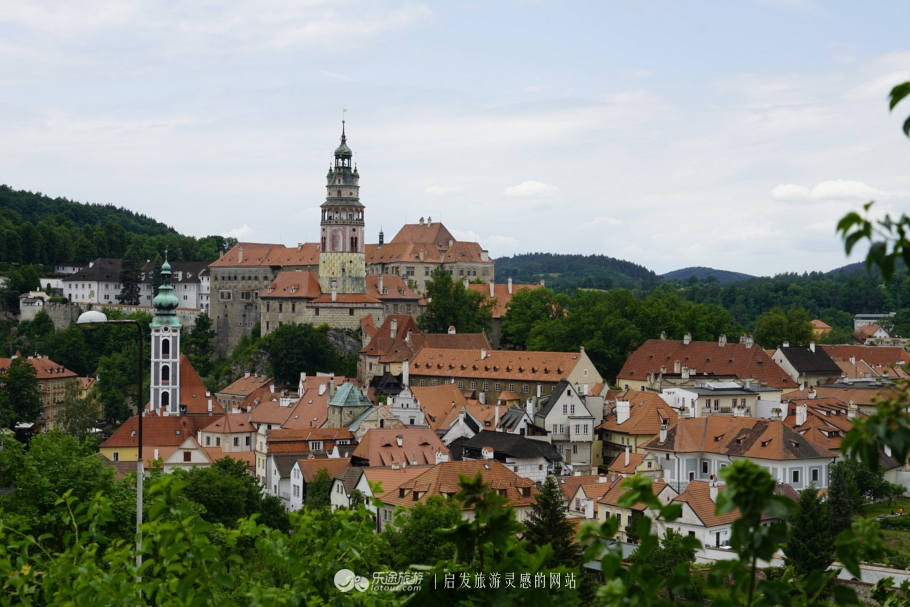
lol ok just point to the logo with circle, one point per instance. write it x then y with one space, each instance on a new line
346 580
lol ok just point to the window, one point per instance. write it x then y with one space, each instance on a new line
554 428
473 385
815 475
187 456
224 295
217 441
426 271
236 441
316 312
423 382
796 476
577 428
208 441
585 428
497 386
486 386
575 449
704 467
460 385
435 382
716 404
116 456
525 389
578 503
511 387
572 410
562 429
246 441
565 409
315 445
743 402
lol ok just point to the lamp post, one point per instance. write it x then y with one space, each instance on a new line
92 320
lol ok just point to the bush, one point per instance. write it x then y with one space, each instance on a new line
895 523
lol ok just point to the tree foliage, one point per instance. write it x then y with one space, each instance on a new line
80 414
810 546
412 539
776 327
294 348
319 490
130 279
527 308
548 525
198 346
20 396
449 303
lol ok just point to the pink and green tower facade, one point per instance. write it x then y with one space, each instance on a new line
342 263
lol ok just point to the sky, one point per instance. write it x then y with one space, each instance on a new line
732 135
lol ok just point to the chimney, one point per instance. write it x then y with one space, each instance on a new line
539 390
750 341
464 281
663 432
663 335
776 414
156 453
330 385
812 392
722 340
742 338
210 406
603 478
496 418
628 448
510 285
220 254
483 353
685 372
714 491
393 328
420 254
802 412
240 254
676 367
441 457
589 509
851 410
812 346
334 290
786 344
421 221
322 389
272 388
400 440
380 284
246 375
687 339
623 410
429 221
451 329
853 360
406 373
802 386
492 295
300 388
451 242
487 452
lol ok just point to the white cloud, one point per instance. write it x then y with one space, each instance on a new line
841 189
605 222
530 188
337 76
239 233
790 191
443 190
536 88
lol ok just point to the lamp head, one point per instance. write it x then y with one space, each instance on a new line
91 319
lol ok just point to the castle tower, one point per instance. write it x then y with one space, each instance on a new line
342 262
165 390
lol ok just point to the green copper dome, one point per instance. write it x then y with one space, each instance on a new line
343 151
165 302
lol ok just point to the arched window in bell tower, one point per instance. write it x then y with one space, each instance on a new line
165 348
165 400
165 374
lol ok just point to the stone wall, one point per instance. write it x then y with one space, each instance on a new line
63 315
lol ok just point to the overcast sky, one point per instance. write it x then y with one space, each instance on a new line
671 134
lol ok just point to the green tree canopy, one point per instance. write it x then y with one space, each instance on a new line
319 490
130 278
776 327
449 303
548 525
294 348
411 538
20 396
527 308
811 545
80 413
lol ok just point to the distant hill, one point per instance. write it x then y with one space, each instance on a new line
723 276
35 206
568 272
859 266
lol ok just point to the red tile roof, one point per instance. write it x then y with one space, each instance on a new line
705 357
293 285
44 367
156 431
501 295
380 447
261 254
647 411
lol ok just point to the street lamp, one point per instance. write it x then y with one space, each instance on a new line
92 320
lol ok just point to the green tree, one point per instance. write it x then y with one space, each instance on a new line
411 538
80 413
449 303
674 552
319 490
198 346
295 348
632 528
156 274
117 377
776 327
229 493
130 278
811 544
842 499
20 396
527 308
548 525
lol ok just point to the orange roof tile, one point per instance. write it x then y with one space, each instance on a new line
570 484
440 404
618 465
511 365
611 498
698 496
391 478
262 254
379 446
44 367
874 355
705 357
193 391
861 396
393 286
156 431
293 285
647 412
501 295
230 423
309 467
442 479
245 385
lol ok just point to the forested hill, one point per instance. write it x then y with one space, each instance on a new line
34 206
568 272
38 230
723 276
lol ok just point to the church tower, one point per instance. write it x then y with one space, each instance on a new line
165 392
342 263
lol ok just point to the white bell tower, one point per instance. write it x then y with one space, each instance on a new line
165 389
